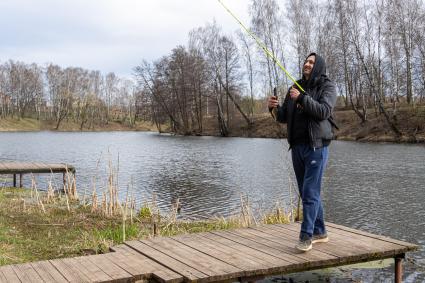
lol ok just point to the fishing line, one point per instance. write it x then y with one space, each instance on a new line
277 62
263 46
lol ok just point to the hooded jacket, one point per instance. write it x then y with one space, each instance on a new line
317 102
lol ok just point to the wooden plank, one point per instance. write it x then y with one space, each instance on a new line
8 164
136 266
38 165
347 248
150 268
25 166
272 243
338 246
142 267
358 243
361 256
17 165
33 167
216 269
59 166
43 165
10 274
12 165
92 271
244 262
271 261
121 248
74 265
44 275
111 269
361 248
372 244
411 247
48 272
70 272
2 277
26 273
249 240
7 168
281 244
212 256
187 271
288 243
250 265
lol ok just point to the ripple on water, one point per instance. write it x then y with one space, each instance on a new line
375 187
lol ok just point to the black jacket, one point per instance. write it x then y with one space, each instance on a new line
317 102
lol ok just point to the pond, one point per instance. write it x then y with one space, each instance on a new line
375 187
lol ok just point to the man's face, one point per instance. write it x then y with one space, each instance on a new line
308 66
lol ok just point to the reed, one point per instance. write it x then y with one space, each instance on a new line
58 227
124 219
149 213
37 195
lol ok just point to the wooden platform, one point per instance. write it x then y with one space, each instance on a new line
20 168
231 255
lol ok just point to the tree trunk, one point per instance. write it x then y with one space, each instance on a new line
248 121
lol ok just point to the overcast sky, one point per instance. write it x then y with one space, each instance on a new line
105 35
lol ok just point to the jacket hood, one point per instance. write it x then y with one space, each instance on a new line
318 74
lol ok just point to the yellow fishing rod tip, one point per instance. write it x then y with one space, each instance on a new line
262 46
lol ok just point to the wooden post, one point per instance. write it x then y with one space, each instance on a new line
398 268
14 180
20 180
155 229
64 180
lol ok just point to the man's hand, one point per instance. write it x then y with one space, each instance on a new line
294 93
273 102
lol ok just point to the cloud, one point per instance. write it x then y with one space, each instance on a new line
105 35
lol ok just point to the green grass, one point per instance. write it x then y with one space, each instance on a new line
29 234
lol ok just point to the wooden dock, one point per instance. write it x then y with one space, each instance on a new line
21 168
245 254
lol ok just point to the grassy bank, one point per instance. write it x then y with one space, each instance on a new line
30 124
36 227
410 121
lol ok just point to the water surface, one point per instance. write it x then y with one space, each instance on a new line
375 187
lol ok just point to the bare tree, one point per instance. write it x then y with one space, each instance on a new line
111 81
61 84
25 86
151 80
247 51
356 38
407 15
266 22
300 14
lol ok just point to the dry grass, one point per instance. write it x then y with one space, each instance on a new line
39 225
410 121
31 124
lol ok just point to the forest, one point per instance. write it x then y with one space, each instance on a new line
375 53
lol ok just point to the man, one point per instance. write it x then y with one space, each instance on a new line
309 122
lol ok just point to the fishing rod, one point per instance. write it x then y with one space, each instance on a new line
271 55
277 62
263 46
